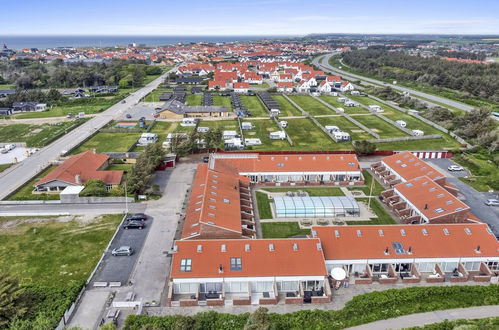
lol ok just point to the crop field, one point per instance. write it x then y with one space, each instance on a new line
253 104
384 129
109 142
261 131
287 109
356 133
222 101
311 105
307 136
337 104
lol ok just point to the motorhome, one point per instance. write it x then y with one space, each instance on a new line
279 135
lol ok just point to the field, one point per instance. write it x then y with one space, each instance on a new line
64 110
337 104
3 167
311 105
109 142
34 135
307 136
282 230
378 125
369 101
377 188
261 131
287 109
162 128
356 133
263 202
222 101
25 192
193 99
154 95
253 104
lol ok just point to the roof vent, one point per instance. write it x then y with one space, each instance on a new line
409 250
220 268
477 250
387 252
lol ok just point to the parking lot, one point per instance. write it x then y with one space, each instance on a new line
141 110
16 155
474 199
119 268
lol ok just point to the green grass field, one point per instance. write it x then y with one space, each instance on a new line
33 135
378 125
253 104
307 136
162 128
38 252
377 188
287 109
154 95
25 192
64 110
193 99
282 230
261 131
356 133
431 144
384 218
109 142
222 101
311 105
263 203
319 191
337 104
3 167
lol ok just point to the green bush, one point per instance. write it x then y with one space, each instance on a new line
94 187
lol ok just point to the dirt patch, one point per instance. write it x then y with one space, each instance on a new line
357 131
250 133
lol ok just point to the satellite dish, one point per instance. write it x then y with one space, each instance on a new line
338 274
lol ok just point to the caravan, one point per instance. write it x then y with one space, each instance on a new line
245 125
341 136
202 129
275 112
283 124
147 138
401 123
227 135
375 108
252 142
417 132
332 129
188 122
279 135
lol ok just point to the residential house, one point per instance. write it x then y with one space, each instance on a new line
285 87
241 87
28 106
346 86
6 92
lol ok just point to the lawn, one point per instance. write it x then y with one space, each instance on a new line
369 101
378 125
282 230
253 104
120 167
307 136
377 188
261 131
414 145
193 99
162 128
25 192
154 95
35 135
39 251
287 109
263 85
384 218
64 110
222 101
321 191
485 174
109 142
311 105
3 167
337 104
356 133
263 203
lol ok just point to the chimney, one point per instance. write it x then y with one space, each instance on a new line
77 179
426 206
409 251
386 251
478 249
220 269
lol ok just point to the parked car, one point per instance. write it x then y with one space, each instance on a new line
206 159
123 101
492 202
134 224
136 217
128 116
3 151
122 251
453 168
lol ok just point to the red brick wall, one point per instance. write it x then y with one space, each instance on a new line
238 302
363 281
390 280
188 303
294 300
411 280
268 301
215 302
434 279
210 232
321 300
458 217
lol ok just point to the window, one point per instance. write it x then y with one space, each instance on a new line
236 264
271 247
359 233
337 233
446 231
214 181
408 185
185 265
200 248
295 246
467 231
226 201
439 210
247 247
223 248
424 231
381 232
403 165
402 232
319 247
212 207
398 247
398 161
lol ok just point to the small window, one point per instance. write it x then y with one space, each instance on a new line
213 193
425 183
214 181
359 233
424 231
459 209
197 209
319 247
432 189
351 164
199 202
271 247
403 165
402 232
381 232
280 164
213 207
212 199
467 231
226 200
236 264
430 172
446 231
440 195
200 248
211 215
214 187
295 246
186 265
199 196
223 248
398 161
398 247
408 185
247 247
439 210
337 233
449 202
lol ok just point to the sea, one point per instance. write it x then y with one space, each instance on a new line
43 42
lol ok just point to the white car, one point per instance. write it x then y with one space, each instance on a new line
492 202
455 168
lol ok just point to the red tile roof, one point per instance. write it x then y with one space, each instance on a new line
409 166
286 259
431 199
86 165
425 241
241 85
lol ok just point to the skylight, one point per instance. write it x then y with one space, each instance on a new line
424 231
402 232
439 210
446 231
398 247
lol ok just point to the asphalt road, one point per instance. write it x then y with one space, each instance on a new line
119 268
474 199
323 63
17 175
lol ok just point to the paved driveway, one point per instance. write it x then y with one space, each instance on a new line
118 268
146 110
474 199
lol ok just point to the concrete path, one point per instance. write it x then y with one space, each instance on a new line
89 313
67 209
431 317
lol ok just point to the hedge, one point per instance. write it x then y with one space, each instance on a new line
361 309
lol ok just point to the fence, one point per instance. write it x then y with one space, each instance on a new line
407 138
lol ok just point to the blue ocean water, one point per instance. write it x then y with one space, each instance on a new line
42 42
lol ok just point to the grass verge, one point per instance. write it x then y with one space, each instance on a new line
263 202
282 229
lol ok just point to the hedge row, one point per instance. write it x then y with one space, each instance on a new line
361 309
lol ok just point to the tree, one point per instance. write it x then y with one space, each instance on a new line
142 172
259 320
94 187
25 82
364 147
11 305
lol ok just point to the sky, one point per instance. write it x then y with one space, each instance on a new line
248 17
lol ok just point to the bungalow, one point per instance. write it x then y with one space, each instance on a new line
413 254
28 106
76 171
176 109
241 87
324 87
284 87
246 272
346 86
5 111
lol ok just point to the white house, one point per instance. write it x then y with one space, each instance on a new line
346 86
303 87
245 125
202 129
401 123
285 87
147 138
227 135
279 135
188 122
324 87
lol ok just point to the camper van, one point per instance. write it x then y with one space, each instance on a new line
417 132
341 109
227 135
275 112
147 138
283 124
332 129
350 103
279 135
234 143
246 125
202 129
341 136
342 99
252 142
188 122
401 123
375 108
